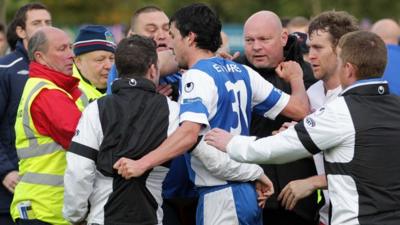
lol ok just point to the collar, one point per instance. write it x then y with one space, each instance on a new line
77 73
64 81
375 86
19 47
134 82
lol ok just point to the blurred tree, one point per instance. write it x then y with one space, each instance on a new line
107 12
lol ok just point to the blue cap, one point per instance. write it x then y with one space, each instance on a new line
93 38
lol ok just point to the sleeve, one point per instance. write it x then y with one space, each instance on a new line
81 168
319 131
199 97
267 100
5 164
56 115
220 165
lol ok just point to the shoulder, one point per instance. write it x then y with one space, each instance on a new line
15 63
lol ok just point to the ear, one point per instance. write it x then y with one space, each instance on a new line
351 72
130 33
152 73
20 32
191 38
284 37
39 57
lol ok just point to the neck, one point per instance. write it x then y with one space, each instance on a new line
332 82
199 54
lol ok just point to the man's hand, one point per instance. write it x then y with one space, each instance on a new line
226 55
294 191
129 168
11 180
218 138
284 126
289 71
264 189
164 89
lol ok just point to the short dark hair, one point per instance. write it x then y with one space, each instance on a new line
12 37
38 42
366 51
201 20
135 55
336 23
20 15
146 9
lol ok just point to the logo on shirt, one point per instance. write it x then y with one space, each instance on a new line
189 87
23 72
381 90
309 122
319 111
132 82
77 132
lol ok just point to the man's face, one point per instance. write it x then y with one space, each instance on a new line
322 56
59 55
95 66
3 43
178 44
154 25
263 44
35 19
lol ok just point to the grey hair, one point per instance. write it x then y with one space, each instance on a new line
38 42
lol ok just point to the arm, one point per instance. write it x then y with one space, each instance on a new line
298 189
176 144
80 174
324 129
8 169
56 115
298 106
223 167
196 100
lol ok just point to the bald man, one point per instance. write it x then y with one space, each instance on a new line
266 46
389 31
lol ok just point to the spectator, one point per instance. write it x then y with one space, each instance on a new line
13 76
46 120
266 46
3 40
94 49
389 31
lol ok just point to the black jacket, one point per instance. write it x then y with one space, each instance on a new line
281 175
13 76
135 120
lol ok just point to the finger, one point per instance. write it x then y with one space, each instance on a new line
236 55
117 164
293 204
283 192
289 201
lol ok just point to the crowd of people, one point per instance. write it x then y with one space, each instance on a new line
166 127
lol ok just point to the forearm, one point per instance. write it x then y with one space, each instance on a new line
176 144
220 165
277 149
318 181
299 99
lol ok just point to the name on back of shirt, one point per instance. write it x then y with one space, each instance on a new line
228 68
